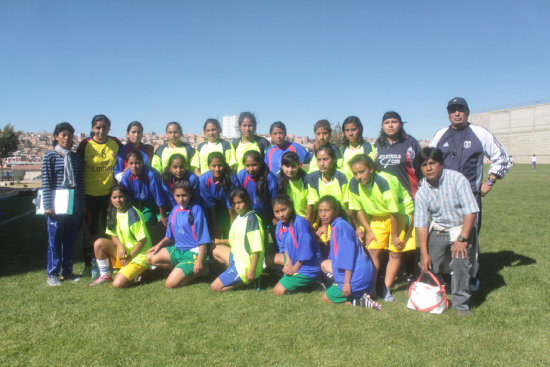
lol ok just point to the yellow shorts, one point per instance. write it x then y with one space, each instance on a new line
381 227
132 270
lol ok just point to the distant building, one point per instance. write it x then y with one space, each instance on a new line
230 127
523 131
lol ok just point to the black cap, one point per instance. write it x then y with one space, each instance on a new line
458 101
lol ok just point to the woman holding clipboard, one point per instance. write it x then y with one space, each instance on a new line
62 169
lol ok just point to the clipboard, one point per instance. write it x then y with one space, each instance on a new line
63 200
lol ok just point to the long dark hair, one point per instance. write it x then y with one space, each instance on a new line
262 183
186 186
289 159
362 158
167 176
214 122
353 120
383 137
111 211
227 175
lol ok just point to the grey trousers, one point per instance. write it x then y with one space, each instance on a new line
439 249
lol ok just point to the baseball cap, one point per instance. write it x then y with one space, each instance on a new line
458 101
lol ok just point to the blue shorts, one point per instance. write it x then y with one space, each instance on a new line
230 276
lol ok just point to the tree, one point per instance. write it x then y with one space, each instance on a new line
337 135
9 140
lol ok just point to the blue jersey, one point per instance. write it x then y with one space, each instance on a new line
213 192
146 151
262 206
273 155
347 254
193 180
301 245
188 236
146 187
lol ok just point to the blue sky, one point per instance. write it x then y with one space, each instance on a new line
294 61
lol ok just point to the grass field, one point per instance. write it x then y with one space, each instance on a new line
149 325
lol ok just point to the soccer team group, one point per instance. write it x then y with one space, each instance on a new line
250 205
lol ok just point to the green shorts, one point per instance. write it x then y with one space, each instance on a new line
335 295
184 260
296 281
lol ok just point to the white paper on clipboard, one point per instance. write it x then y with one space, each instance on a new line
63 201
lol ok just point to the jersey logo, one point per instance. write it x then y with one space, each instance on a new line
467 144
445 145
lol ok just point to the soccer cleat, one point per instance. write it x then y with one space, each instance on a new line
53 281
102 279
72 277
366 301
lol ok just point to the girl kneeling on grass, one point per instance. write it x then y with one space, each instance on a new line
300 255
244 258
353 272
129 241
188 229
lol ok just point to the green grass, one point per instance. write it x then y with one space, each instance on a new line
149 325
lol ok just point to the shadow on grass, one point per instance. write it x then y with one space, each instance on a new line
491 263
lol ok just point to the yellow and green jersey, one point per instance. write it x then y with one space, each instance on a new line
131 229
297 191
164 152
317 188
200 160
99 163
383 196
348 153
259 144
246 236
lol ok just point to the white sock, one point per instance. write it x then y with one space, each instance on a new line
103 266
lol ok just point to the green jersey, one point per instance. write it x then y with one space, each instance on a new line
131 229
246 236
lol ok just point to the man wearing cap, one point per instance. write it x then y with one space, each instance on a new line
464 145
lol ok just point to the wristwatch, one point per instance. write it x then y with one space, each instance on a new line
461 238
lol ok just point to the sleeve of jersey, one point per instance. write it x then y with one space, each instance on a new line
354 200
345 193
373 152
273 184
303 153
139 230
155 184
80 180
312 195
205 195
255 234
437 137
47 174
494 151
196 160
420 210
191 154
266 158
156 162
303 237
109 232
230 156
171 218
346 251
119 166
280 242
201 226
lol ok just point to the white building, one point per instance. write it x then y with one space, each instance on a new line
230 126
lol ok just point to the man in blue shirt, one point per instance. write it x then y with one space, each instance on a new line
446 243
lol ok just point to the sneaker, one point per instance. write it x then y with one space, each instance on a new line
102 279
387 295
53 281
366 301
463 313
72 277
94 270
